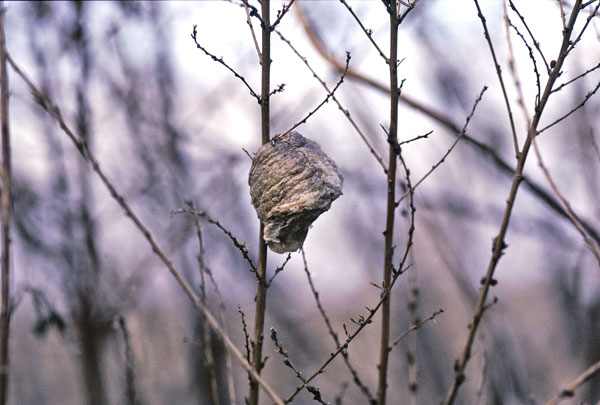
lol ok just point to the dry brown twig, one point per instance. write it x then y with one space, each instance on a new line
512 67
321 104
249 22
521 102
458 138
265 137
194 36
334 98
536 44
364 321
500 79
355 378
281 13
505 168
368 32
499 244
81 146
569 391
242 247
415 326
316 393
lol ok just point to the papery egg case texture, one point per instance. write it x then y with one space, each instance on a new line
292 181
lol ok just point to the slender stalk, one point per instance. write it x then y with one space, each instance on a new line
261 272
384 348
499 243
569 391
6 211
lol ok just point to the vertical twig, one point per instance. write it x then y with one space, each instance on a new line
261 272
6 212
500 79
249 22
391 205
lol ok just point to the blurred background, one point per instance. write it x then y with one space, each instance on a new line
99 320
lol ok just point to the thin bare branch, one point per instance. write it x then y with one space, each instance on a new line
280 268
416 326
416 138
81 146
569 391
281 13
500 79
394 152
242 247
513 69
506 168
334 98
351 336
584 28
357 381
386 289
286 360
260 307
577 107
368 32
410 7
499 244
249 22
536 44
458 138
576 78
329 95
222 62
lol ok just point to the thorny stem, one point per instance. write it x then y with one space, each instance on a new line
499 243
6 200
81 146
391 206
261 291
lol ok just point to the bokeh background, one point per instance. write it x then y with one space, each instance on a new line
168 124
